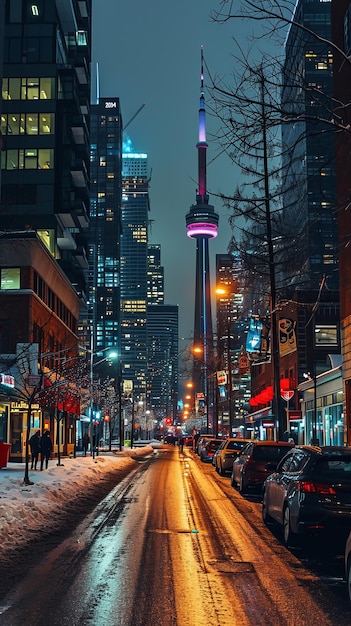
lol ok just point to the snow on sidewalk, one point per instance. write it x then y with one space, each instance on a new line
28 508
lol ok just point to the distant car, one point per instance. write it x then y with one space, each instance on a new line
208 449
226 453
255 462
201 442
310 493
348 566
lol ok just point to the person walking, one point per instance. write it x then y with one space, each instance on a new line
34 444
86 441
46 447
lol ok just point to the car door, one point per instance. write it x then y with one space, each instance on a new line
286 480
274 487
240 461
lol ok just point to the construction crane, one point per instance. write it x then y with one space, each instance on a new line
134 116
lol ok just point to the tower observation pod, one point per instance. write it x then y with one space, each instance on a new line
202 225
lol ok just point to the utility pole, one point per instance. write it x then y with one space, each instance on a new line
280 416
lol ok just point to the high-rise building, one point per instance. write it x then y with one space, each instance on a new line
105 226
341 21
45 127
134 255
155 276
162 376
202 225
309 150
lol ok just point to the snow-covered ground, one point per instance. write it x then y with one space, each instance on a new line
25 509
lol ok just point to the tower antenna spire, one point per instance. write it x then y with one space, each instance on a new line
202 225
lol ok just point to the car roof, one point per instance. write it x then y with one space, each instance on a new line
326 449
274 443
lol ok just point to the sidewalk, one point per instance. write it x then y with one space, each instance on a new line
25 509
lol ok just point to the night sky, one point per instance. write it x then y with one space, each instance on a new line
149 53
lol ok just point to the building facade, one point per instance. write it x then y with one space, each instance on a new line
45 127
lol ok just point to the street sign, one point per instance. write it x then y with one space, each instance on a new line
287 395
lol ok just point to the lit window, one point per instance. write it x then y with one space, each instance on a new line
10 278
326 335
35 10
81 38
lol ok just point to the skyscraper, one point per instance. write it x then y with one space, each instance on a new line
105 225
162 376
309 149
45 127
202 225
134 251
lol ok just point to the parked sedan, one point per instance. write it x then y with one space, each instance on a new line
226 453
310 492
208 449
255 462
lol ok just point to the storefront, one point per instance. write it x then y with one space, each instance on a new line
260 425
322 408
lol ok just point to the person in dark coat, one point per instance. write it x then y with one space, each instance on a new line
34 444
86 441
46 449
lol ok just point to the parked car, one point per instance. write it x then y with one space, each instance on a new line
255 462
226 453
202 441
310 492
208 449
216 453
348 566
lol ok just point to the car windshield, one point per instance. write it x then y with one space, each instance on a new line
334 468
236 445
270 453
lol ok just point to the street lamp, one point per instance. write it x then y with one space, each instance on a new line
110 357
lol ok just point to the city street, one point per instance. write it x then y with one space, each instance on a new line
174 544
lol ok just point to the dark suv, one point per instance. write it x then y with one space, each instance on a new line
310 492
255 462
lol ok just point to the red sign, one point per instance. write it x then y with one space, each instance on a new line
287 395
295 415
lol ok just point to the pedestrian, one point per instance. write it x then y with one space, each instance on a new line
86 441
46 449
181 444
34 443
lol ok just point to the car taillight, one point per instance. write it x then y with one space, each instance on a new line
307 486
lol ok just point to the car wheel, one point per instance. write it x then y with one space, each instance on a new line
265 515
242 485
288 535
348 579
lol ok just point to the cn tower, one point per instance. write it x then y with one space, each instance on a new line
202 225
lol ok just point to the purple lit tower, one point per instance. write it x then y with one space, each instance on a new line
202 225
